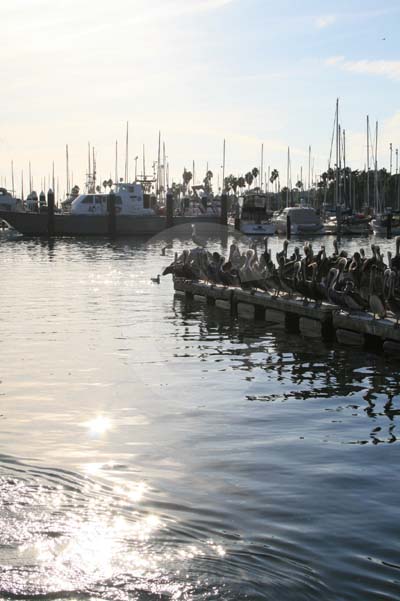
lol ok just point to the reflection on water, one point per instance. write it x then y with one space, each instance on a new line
157 448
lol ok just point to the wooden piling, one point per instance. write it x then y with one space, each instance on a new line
224 209
111 215
288 227
389 226
50 213
170 210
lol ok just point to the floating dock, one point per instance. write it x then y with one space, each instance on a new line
312 320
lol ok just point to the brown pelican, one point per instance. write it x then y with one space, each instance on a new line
375 301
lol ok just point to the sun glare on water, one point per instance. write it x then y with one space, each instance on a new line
99 425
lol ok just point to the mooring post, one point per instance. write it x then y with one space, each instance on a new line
50 213
224 209
338 220
42 202
389 225
112 215
170 210
237 218
288 227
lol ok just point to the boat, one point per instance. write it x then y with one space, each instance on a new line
8 202
257 229
256 218
304 220
90 215
379 225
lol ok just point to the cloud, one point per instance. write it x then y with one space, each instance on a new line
383 68
324 21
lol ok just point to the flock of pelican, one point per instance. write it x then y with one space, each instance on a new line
353 283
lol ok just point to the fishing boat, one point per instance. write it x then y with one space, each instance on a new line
90 214
304 220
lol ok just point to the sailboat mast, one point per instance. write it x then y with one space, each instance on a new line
22 184
367 160
223 167
144 163
262 167
30 179
376 169
287 177
158 164
337 155
67 167
116 161
309 175
344 167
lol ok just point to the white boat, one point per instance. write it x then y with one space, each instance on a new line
379 225
303 220
250 228
128 201
9 203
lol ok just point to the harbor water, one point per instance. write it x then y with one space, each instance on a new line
156 448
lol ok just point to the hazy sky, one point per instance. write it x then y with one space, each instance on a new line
252 71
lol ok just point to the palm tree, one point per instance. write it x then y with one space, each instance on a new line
255 172
241 182
249 178
186 176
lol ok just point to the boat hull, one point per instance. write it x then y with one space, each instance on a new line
258 229
36 224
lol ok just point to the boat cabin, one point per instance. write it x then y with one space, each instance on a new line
128 201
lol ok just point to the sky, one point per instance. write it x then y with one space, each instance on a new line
251 72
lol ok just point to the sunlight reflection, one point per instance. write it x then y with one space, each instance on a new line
99 425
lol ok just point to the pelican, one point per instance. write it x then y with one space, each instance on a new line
197 239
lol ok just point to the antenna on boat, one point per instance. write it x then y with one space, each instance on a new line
116 161
67 160
12 177
127 152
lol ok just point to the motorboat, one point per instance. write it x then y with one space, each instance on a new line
255 215
303 220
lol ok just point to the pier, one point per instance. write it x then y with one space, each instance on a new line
324 320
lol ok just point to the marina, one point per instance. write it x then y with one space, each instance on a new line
200 301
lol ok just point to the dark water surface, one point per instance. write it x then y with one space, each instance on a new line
155 448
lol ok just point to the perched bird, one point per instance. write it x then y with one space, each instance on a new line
156 280
197 239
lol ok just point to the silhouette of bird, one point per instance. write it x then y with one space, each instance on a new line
197 239
156 280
